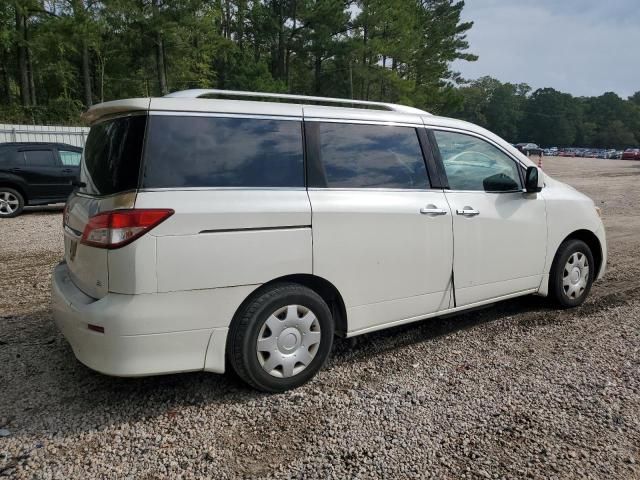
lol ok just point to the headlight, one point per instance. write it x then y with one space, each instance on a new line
599 211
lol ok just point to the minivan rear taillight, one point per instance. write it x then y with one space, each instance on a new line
117 228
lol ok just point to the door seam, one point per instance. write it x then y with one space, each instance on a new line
453 252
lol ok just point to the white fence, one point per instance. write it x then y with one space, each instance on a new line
42 133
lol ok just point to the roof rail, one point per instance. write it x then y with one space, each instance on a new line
201 92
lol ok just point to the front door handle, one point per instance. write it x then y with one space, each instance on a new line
433 211
468 212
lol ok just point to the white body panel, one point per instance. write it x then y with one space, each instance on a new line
502 249
228 237
221 259
166 300
568 211
147 333
387 259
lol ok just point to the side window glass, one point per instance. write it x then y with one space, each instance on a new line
39 158
223 152
473 164
69 158
371 156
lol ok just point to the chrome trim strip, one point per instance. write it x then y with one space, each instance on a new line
200 92
255 229
230 189
365 189
358 121
188 113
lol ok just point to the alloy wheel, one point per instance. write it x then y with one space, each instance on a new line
9 203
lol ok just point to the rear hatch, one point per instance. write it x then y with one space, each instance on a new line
109 173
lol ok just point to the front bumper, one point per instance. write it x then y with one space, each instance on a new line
125 349
602 237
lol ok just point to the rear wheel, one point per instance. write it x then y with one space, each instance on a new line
572 273
11 202
281 338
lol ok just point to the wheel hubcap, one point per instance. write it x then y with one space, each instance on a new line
575 275
8 203
288 341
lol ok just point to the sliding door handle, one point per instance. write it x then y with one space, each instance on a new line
433 211
468 212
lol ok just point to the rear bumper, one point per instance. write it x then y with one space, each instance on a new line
120 352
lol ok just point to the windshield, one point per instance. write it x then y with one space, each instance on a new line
112 154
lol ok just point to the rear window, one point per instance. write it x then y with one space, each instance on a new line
112 156
190 151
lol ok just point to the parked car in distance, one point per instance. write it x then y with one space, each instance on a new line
631 154
210 232
567 152
529 149
36 174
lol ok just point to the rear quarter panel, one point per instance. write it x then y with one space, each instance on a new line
227 237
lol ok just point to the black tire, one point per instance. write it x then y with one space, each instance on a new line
6 191
242 350
557 290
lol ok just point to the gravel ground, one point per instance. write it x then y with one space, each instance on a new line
516 390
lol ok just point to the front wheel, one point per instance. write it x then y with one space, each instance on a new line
281 337
572 273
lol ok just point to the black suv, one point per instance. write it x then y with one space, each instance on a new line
36 174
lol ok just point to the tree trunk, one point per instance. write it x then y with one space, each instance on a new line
365 70
382 85
32 84
317 72
280 53
221 22
6 81
227 21
86 74
160 63
102 60
23 74
162 76
287 55
240 18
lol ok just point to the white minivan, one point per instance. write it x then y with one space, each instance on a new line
234 231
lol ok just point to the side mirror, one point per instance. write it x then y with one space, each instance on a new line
532 180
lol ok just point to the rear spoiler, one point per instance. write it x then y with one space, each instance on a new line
114 108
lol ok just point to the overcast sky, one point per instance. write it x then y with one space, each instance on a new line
583 47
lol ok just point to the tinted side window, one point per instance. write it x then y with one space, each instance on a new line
70 158
473 164
371 156
223 152
9 156
40 158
